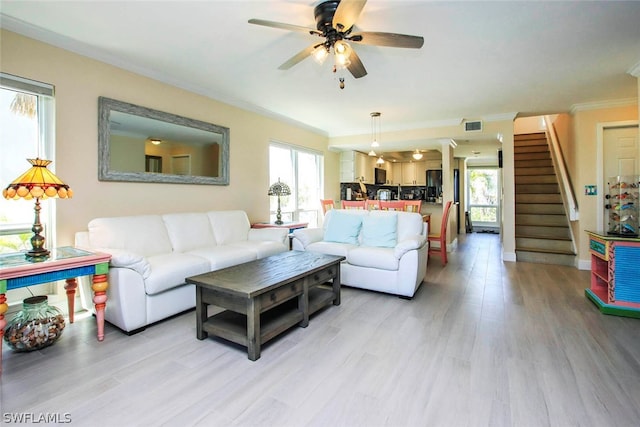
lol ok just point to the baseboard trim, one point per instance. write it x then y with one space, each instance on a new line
584 264
508 256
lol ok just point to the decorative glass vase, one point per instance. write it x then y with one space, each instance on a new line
36 326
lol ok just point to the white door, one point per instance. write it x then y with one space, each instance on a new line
621 151
621 154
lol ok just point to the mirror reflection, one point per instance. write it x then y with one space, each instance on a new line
144 145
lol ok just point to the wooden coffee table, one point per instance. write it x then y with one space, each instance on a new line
265 297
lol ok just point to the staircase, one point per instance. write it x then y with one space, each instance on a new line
542 228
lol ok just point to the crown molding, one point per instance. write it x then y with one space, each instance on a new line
500 117
635 70
45 36
586 106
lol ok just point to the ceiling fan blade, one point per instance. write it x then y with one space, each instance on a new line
356 68
283 26
388 39
298 57
347 13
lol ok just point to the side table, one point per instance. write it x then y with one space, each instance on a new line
289 225
65 263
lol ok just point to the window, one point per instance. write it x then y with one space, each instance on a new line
26 132
302 170
484 198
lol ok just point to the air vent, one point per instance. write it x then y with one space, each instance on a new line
473 126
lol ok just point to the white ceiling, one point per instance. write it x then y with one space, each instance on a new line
479 60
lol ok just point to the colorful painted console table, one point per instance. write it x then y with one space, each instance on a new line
65 263
615 274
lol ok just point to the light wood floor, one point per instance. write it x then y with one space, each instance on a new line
483 343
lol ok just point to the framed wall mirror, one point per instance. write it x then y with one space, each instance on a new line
138 144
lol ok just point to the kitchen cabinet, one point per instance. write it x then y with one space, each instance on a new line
356 167
433 164
414 173
364 167
396 173
347 166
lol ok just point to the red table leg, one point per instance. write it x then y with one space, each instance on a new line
99 287
71 286
3 323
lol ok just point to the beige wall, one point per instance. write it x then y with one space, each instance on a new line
584 146
79 82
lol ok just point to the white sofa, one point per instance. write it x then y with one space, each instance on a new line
153 254
381 255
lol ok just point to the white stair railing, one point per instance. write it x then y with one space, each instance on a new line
566 189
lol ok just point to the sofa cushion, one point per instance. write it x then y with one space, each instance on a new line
367 256
343 228
409 224
170 270
229 226
380 230
145 235
331 248
189 231
224 256
260 249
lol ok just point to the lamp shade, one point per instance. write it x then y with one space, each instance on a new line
279 189
38 182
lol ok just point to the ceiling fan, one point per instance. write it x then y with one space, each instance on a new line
334 22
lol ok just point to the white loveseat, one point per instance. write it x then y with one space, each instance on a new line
385 251
153 254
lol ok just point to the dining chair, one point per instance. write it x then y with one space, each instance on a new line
372 205
353 204
412 205
327 204
393 205
441 237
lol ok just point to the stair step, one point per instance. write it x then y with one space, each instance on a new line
545 220
523 137
540 208
538 257
533 163
539 198
543 232
536 179
531 149
531 156
534 171
537 188
545 245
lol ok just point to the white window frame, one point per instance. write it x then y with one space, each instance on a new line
44 147
497 206
295 151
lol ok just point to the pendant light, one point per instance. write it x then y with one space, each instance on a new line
375 129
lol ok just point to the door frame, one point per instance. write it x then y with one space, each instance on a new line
600 128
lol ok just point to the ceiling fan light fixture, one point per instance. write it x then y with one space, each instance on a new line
342 51
320 54
417 155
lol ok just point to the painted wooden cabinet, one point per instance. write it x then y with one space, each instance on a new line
396 172
615 278
414 173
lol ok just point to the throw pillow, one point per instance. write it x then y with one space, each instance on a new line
343 228
380 231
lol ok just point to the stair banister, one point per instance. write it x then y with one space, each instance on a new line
566 189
